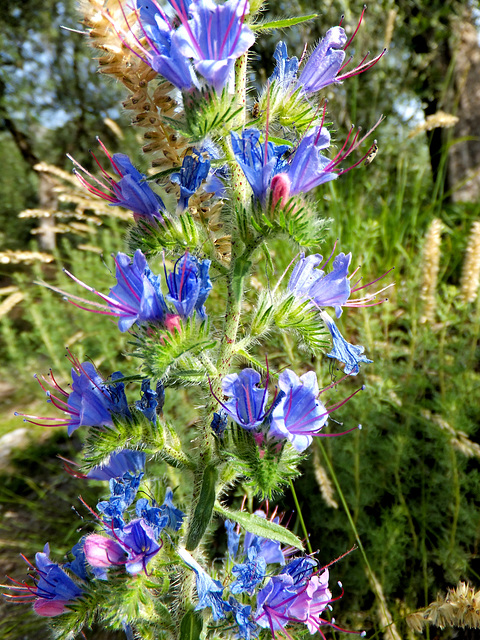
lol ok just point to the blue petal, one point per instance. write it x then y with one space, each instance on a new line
350 354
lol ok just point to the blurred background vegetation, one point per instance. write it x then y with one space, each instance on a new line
407 486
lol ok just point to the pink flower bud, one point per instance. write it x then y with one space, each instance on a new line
103 552
280 188
171 322
49 608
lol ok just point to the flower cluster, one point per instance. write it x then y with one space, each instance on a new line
297 593
231 180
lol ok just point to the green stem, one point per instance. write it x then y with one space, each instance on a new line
300 516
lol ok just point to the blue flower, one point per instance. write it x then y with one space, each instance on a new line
77 566
271 550
247 406
131 191
258 161
209 590
325 62
351 355
91 403
219 423
122 495
153 515
189 285
126 461
250 573
133 546
148 403
233 538
325 290
137 296
247 629
140 543
285 71
175 516
194 171
53 591
299 415
215 37
163 56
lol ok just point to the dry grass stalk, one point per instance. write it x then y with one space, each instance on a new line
11 301
385 619
323 481
470 279
149 101
459 608
25 257
389 28
430 268
459 439
434 121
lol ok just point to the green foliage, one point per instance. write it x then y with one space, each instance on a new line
282 23
191 626
206 113
175 233
202 514
267 468
261 527
174 356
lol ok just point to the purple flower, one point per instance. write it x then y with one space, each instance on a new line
299 415
259 161
194 171
53 590
325 62
294 595
133 546
308 168
137 296
189 285
350 354
325 290
209 591
91 403
131 191
126 461
247 406
215 37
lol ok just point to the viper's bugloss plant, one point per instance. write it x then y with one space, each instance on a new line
234 182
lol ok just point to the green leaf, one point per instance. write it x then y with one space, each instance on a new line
282 23
191 625
174 233
204 509
261 527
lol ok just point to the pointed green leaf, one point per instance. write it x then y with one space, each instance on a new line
282 23
191 626
261 526
204 509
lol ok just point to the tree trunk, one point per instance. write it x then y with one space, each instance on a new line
464 156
